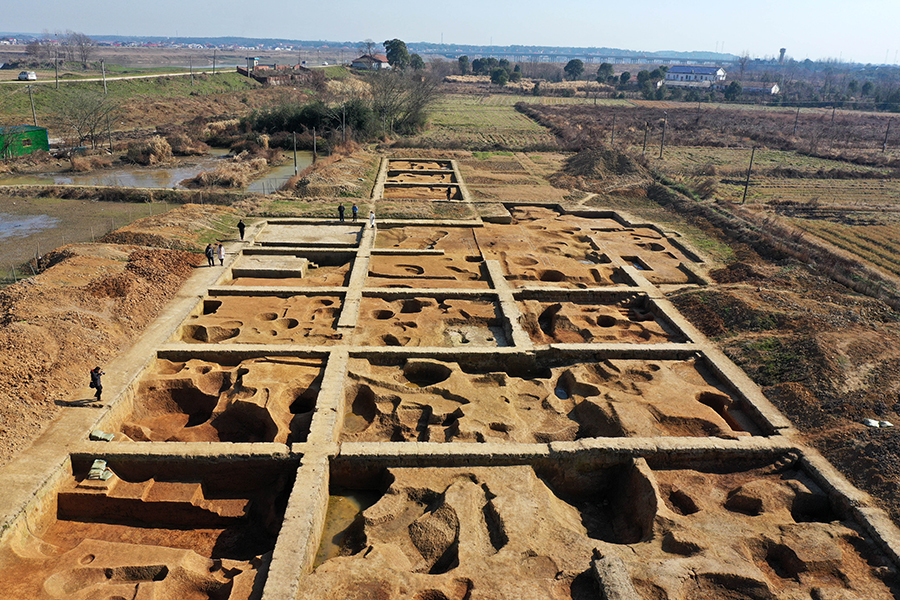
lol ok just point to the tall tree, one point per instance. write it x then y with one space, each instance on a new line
416 62
397 54
463 62
604 72
574 68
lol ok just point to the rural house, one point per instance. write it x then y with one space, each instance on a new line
691 76
19 140
371 62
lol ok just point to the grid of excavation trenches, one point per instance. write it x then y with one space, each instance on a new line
422 179
441 411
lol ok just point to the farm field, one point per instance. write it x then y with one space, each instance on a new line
476 122
878 244
703 160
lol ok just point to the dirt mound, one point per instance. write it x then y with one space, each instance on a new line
92 301
602 163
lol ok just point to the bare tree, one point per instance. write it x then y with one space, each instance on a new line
81 45
401 100
743 61
86 114
367 47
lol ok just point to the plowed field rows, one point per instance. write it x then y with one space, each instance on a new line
878 244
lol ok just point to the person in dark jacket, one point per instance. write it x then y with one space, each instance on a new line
241 228
96 373
210 255
341 212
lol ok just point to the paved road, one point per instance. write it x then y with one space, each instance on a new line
117 78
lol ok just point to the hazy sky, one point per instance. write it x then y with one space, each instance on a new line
861 30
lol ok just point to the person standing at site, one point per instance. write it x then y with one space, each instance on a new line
354 211
210 255
96 373
241 228
341 212
220 251
372 219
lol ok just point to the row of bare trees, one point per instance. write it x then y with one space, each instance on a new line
70 46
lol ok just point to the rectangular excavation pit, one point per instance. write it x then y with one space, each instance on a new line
419 164
420 177
413 320
543 245
420 192
152 528
303 269
427 271
575 524
537 399
237 399
329 234
444 237
595 317
277 318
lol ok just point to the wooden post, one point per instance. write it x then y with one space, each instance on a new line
314 144
103 71
191 65
749 169
796 119
33 114
612 139
214 60
646 133
294 134
662 143
886 132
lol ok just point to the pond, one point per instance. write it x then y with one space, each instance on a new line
165 176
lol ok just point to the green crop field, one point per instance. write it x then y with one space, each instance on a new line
15 104
477 122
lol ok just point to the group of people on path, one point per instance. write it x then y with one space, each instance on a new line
355 212
213 252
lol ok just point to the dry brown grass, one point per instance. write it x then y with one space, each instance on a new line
85 164
231 175
154 151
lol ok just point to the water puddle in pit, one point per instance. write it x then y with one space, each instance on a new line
344 507
12 226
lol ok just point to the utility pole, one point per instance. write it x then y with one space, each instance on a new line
344 122
314 144
886 132
796 120
294 134
749 169
646 133
214 60
103 70
56 68
662 144
191 64
33 114
612 138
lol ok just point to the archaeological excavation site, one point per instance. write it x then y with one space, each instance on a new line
504 407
